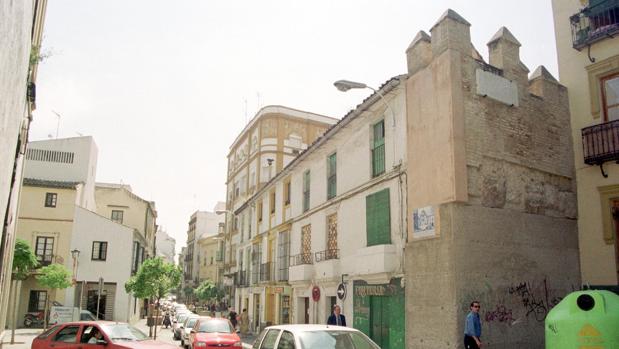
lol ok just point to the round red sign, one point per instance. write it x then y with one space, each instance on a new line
316 293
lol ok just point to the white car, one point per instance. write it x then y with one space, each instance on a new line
313 337
186 329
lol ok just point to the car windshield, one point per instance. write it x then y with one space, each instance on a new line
335 340
212 326
123 332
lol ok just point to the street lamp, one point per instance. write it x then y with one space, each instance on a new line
345 85
75 253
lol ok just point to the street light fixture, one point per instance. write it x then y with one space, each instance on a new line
345 85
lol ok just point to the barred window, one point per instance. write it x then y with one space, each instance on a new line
99 250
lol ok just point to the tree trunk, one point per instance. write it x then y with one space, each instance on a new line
15 305
156 318
148 316
45 311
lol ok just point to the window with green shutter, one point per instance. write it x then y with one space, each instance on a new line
378 218
306 190
331 176
378 149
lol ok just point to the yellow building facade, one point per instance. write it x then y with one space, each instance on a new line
588 55
210 258
46 213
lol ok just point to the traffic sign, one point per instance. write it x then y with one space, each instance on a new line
316 293
341 291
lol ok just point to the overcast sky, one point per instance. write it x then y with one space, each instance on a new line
164 87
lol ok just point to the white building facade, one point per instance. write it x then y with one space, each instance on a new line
335 215
165 246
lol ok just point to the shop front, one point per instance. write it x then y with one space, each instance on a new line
379 312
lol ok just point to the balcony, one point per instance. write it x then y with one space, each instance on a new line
327 255
595 22
301 267
600 143
266 273
376 259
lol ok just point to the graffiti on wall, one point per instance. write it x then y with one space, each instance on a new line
535 298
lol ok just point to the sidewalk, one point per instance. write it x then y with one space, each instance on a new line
23 338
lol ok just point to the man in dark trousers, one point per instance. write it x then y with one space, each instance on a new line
472 328
336 318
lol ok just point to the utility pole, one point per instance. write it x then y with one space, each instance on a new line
58 124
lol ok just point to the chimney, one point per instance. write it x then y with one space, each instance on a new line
543 84
451 31
504 50
419 53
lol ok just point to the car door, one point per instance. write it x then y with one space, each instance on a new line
66 338
86 337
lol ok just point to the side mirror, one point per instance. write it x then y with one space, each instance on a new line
101 342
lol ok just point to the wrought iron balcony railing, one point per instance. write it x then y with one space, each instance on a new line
301 258
600 143
327 254
595 22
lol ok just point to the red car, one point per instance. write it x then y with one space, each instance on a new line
214 333
96 335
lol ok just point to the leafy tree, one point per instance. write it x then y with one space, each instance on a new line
24 260
188 292
154 280
54 277
206 290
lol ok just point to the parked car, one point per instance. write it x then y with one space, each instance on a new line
186 329
96 335
313 336
178 322
213 333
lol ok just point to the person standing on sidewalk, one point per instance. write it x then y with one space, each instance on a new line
472 328
244 322
336 318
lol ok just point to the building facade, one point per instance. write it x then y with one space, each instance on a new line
268 143
22 30
165 246
211 257
334 218
588 53
491 191
202 224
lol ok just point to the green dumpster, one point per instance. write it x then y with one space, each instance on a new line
584 320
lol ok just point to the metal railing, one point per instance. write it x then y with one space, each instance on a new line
327 255
600 143
255 273
242 279
301 259
595 22
266 272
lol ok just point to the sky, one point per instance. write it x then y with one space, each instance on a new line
164 87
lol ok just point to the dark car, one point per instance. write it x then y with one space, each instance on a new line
96 335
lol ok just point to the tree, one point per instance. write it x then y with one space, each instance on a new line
154 280
53 277
206 290
24 262
188 292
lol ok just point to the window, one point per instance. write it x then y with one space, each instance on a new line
306 190
378 148
50 199
306 244
269 340
259 209
272 202
286 341
37 301
378 218
99 250
117 216
283 255
44 250
67 334
287 193
610 97
332 176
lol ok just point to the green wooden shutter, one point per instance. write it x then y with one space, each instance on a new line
378 218
306 190
332 176
378 149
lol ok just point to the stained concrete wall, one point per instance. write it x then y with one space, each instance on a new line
500 177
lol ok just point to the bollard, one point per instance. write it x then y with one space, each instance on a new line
584 320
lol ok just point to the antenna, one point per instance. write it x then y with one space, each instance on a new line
58 124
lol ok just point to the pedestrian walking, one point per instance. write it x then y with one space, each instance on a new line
336 318
244 322
233 318
472 328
